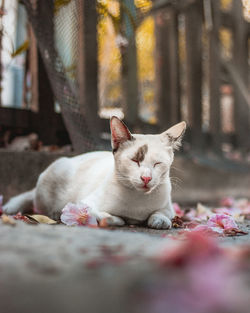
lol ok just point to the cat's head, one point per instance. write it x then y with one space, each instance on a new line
142 162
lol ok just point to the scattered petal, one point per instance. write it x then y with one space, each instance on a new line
195 246
1 205
227 202
236 213
23 218
209 230
201 213
203 277
222 221
178 211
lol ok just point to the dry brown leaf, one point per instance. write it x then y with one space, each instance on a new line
234 232
41 219
8 220
177 222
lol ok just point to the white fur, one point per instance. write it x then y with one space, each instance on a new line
110 185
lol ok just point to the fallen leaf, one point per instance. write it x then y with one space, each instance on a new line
8 220
177 222
234 232
41 219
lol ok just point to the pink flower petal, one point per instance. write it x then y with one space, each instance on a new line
73 214
1 205
208 229
179 212
201 213
236 213
223 210
222 221
227 202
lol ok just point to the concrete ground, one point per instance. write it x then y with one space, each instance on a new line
46 268
64 269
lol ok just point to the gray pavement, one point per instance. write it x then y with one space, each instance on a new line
64 269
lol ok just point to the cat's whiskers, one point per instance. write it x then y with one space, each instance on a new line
175 182
176 179
176 169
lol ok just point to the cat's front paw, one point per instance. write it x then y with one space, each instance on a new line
159 221
110 220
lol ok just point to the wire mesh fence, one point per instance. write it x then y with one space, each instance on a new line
151 62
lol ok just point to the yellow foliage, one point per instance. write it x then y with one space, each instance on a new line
226 4
226 41
145 41
109 56
143 5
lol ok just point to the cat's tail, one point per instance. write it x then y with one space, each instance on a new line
22 203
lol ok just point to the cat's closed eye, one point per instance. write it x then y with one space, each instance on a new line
157 163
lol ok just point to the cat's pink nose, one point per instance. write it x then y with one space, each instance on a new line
146 179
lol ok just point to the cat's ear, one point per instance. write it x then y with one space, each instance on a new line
119 132
174 134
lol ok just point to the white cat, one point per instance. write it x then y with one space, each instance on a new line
130 185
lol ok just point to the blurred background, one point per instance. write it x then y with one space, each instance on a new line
68 65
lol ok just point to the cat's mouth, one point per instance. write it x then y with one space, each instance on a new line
146 189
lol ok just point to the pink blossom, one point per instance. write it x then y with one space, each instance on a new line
224 210
243 205
219 224
178 211
201 213
1 204
227 202
208 230
222 221
201 276
74 214
245 210
236 213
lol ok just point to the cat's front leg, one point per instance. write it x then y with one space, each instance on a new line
158 220
95 201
